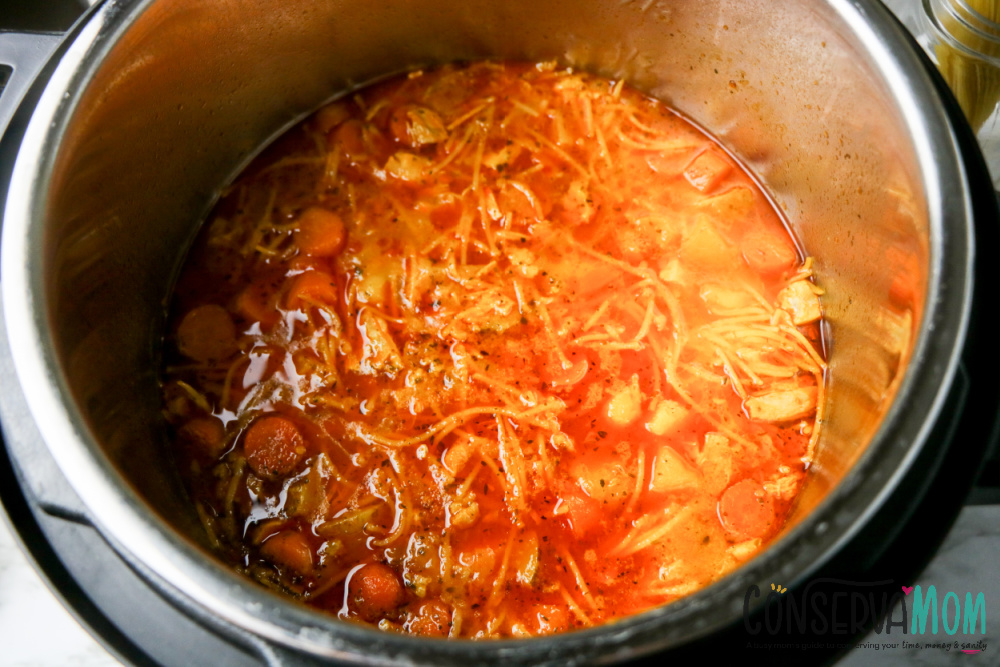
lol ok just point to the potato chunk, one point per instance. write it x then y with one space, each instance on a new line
475 568
800 301
730 206
626 405
380 352
741 551
417 126
524 261
707 170
671 472
604 480
783 405
716 459
665 419
464 511
721 298
407 166
524 558
703 248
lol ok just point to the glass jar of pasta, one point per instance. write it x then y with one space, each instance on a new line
962 37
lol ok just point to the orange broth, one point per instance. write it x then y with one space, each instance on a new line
493 350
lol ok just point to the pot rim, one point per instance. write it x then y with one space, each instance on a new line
207 588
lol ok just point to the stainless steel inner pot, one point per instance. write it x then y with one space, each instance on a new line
155 105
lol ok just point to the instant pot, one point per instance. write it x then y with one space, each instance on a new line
121 131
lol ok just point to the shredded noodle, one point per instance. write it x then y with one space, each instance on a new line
494 350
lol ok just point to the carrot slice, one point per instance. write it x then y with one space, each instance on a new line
375 590
206 434
256 303
348 136
746 510
207 333
768 252
273 446
320 232
289 548
311 287
331 116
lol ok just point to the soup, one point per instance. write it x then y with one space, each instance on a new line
493 350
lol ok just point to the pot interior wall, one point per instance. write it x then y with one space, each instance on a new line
192 89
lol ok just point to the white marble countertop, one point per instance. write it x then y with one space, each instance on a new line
35 629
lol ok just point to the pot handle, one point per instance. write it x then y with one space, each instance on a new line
22 56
